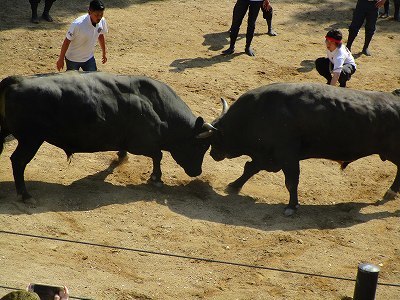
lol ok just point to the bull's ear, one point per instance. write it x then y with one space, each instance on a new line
199 124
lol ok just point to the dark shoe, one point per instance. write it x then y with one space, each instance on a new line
35 20
228 51
366 52
271 32
47 17
249 51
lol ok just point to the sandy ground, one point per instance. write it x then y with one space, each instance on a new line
179 42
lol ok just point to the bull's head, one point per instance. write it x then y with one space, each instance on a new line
189 153
208 128
215 135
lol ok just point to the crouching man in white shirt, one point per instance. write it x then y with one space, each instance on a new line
339 64
78 47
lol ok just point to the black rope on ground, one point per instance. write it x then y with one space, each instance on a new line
191 257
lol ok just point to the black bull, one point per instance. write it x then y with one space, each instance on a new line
90 112
280 124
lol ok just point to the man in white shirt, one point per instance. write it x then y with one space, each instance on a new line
78 47
339 64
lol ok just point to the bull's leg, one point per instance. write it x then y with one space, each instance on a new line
22 155
395 187
122 156
155 177
250 168
292 174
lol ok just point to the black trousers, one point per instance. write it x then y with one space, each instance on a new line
396 8
239 11
364 11
323 66
267 14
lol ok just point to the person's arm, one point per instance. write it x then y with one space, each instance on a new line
335 78
64 48
102 42
380 3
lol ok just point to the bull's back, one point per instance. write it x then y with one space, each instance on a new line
322 121
84 111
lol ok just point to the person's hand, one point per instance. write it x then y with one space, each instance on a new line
64 294
60 64
104 60
380 3
267 5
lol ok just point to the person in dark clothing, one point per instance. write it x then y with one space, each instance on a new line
46 11
366 10
385 12
239 11
267 15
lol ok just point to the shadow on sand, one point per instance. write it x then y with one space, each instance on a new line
195 200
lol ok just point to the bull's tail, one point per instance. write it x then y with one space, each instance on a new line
4 132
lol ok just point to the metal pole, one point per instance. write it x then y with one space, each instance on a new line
366 282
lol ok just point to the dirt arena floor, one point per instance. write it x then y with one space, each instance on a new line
115 237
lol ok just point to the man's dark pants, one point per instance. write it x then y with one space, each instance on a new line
239 13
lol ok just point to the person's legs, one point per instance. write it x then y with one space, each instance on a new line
90 65
46 11
34 6
72 65
267 15
346 73
254 9
359 16
385 12
370 26
322 66
396 15
239 11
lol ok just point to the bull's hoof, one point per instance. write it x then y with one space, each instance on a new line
389 195
232 189
290 211
155 182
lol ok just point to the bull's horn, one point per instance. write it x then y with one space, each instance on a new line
205 134
225 106
208 126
